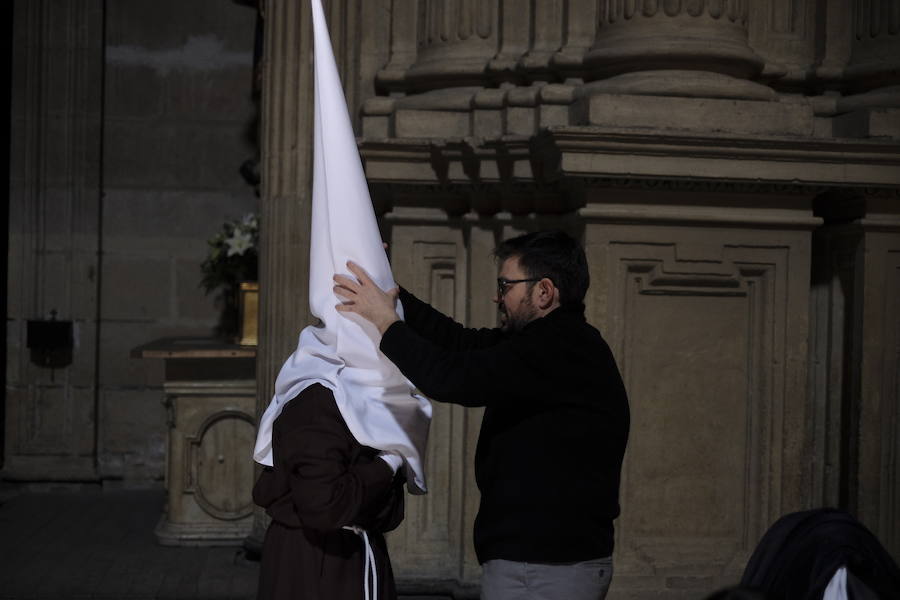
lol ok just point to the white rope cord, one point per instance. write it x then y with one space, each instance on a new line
371 593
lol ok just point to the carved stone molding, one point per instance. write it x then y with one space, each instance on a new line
457 38
710 328
784 33
581 20
210 475
433 262
588 152
704 186
219 480
515 27
875 57
656 37
550 173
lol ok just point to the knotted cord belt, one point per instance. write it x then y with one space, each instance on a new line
369 565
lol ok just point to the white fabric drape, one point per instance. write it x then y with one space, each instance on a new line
377 402
837 587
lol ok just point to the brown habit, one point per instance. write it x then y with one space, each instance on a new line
322 480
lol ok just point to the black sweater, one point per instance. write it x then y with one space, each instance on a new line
554 431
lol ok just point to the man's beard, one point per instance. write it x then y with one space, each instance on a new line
513 323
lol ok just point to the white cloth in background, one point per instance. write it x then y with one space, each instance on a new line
375 399
837 587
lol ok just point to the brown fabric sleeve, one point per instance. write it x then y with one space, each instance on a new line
333 480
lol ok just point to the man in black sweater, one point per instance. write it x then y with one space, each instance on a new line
556 416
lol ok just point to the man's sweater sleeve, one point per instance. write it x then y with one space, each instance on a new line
441 329
468 377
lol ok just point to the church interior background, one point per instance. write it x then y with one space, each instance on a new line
732 167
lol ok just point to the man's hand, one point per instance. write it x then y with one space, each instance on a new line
366 299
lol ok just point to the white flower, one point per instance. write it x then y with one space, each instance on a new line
239 243
250 220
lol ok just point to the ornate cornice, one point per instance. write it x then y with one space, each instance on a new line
770 160
595 156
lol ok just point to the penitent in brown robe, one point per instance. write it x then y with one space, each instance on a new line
323 479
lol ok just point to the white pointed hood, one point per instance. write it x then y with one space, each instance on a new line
377 402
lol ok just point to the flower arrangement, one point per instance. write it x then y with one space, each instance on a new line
231 259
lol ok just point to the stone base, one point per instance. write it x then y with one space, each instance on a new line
213 534
50 468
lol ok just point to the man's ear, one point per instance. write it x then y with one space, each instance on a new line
547 293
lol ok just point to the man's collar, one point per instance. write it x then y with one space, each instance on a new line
561 312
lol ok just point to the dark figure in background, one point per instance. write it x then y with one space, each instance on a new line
556 415
801 551
322 481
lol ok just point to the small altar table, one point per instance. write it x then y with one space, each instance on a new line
210 398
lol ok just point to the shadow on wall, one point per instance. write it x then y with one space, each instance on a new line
822 553
5 107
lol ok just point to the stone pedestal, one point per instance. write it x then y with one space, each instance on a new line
210 397
702 296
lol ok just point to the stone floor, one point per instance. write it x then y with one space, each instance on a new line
85 542
90 543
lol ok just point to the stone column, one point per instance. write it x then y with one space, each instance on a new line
402 47
784 33
514 24
580 20
854 359
457 38
676 47
871 78
286 146
875 54
546 33
878 361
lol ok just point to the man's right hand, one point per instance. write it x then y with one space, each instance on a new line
365 298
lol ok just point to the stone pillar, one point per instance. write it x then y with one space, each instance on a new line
854 359
580 20
875 54
836 285
878 360
546 39
514 27
871 78
457 38
286 169
677 47
784 33
54 235
402 47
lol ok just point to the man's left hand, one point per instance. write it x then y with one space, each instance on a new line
363 297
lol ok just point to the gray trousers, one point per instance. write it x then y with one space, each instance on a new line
509 580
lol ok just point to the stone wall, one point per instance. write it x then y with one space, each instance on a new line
129 128
737 195
733 169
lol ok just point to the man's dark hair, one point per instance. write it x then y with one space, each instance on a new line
552 254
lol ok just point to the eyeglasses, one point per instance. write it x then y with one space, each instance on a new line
504 284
